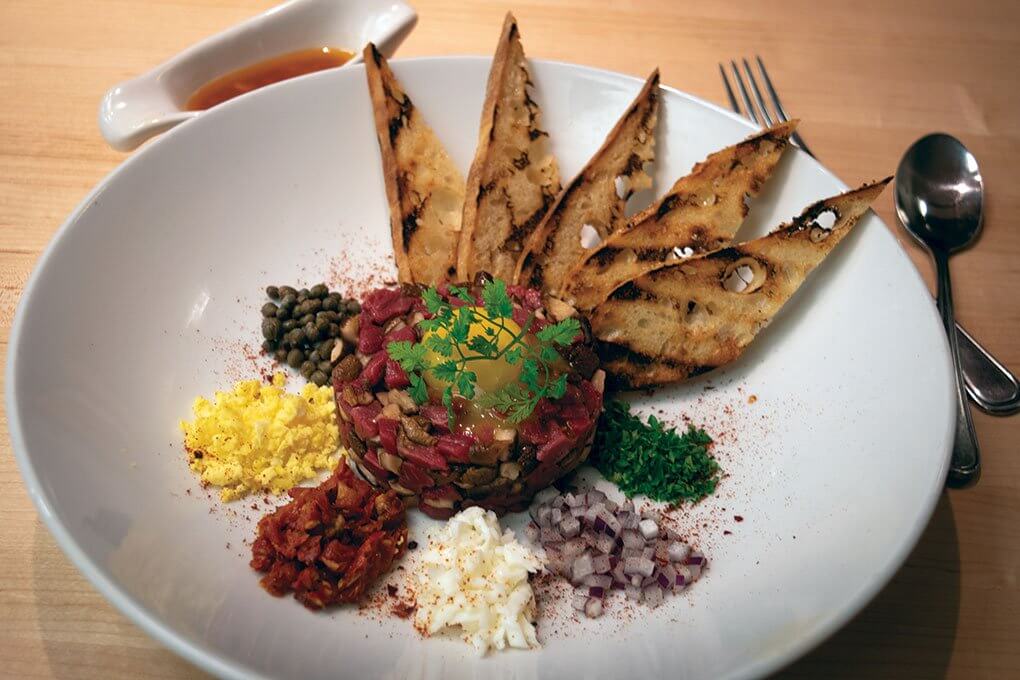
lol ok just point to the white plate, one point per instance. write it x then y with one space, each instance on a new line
149 289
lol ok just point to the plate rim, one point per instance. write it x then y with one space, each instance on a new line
213 661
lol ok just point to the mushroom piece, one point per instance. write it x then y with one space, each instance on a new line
349 331
348 368
394 324
494 488
438 502
363 470
389 461
402 490
487 455
338 351
403 400
476 476
414 428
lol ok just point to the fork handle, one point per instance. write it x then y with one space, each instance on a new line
990 385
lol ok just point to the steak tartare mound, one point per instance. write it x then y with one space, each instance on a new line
446 456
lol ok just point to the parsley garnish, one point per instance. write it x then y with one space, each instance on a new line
448 335
652 460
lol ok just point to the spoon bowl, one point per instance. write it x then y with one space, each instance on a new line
939 193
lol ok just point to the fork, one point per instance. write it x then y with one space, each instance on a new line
989 383
765 119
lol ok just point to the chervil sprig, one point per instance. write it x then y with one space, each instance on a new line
449 349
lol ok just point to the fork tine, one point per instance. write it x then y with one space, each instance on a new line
780 111
729 90
757 93
751 113
772 91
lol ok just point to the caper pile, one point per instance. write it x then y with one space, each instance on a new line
301 328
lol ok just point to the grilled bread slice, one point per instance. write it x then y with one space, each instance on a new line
699 214
424 188
513 179
700 313
594 199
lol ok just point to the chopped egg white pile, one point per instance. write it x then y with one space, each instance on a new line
475 575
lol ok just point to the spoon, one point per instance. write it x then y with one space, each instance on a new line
939 200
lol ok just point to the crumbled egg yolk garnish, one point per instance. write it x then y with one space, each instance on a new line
475 577
259 437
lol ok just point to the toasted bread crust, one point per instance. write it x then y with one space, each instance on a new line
694 315
592 198
513 179
424 188
699 214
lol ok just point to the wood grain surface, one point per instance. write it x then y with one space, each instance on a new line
867 78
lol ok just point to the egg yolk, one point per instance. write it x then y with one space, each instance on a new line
492 374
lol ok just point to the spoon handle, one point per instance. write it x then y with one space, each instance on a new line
965 466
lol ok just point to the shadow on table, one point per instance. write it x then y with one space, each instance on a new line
85 637
909 628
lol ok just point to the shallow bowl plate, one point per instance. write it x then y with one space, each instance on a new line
149 296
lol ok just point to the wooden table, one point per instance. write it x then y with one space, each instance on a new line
866 77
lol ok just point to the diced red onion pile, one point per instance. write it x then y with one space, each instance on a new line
600 546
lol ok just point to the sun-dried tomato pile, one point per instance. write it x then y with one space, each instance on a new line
331 542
